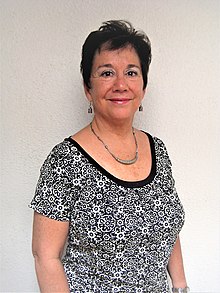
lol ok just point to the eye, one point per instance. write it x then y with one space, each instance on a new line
107 73
132 73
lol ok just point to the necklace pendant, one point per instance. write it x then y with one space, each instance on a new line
121 161
127 162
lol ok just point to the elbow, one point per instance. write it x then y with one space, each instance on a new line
43 256
38 259
36 252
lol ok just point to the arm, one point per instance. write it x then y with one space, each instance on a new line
175 267
49 237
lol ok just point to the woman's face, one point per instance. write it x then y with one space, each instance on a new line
116 84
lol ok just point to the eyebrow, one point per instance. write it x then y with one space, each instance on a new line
110 66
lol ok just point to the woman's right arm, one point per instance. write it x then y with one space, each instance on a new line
49 237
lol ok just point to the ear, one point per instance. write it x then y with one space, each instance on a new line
87 92
144 92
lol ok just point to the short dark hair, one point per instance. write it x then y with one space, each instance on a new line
115 34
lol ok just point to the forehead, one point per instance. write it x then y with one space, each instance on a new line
125 55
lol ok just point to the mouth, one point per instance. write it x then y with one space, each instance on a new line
120 101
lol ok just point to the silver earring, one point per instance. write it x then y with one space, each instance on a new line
90 108
141 108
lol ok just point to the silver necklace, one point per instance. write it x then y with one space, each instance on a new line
125 162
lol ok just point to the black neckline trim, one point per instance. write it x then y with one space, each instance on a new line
119 181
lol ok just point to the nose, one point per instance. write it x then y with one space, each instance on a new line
120 84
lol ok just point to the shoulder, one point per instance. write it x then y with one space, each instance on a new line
60 155
161 151
159 147
63 148
158 142
67 147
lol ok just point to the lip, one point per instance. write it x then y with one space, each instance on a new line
120 101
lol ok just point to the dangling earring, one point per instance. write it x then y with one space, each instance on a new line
141 108
90 108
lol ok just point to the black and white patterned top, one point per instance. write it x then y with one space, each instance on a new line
121 233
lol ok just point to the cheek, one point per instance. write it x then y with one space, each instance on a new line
138 90
98 91
142 93
96 94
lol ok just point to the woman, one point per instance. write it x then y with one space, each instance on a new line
109 189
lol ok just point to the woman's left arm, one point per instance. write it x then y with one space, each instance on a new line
175 267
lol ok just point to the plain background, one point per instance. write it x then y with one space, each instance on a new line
42 102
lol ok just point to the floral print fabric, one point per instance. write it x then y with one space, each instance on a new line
121 233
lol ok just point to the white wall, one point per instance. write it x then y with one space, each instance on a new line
42 102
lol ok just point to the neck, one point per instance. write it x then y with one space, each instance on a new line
123 129
119 160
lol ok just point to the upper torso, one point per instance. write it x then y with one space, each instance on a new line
121 231
134 172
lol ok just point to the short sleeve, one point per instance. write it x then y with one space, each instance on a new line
52 196
162 153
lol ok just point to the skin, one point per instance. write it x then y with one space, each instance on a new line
49 237
116 97
176 268
116 93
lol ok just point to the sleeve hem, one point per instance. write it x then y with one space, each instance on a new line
49 215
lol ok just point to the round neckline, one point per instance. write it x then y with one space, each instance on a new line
125 183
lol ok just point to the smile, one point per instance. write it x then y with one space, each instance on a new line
120 101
